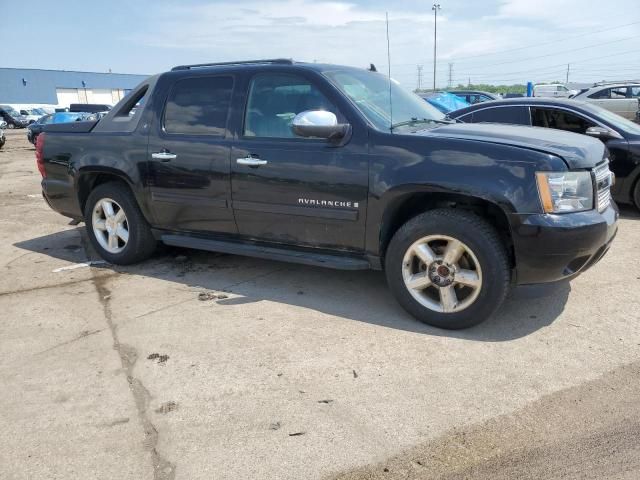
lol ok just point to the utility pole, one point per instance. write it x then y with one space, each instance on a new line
419 77
568 66
435 8
450 75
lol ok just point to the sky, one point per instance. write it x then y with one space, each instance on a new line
482 41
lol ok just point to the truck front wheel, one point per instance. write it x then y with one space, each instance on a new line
116 226
448 268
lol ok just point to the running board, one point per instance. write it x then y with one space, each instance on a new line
270 253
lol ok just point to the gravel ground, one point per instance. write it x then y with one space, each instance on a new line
197 366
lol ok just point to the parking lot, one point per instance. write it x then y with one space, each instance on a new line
197 366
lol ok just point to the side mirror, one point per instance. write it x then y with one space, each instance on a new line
319 124
602 133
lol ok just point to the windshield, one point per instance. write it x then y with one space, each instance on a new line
370 92
10 110
614 119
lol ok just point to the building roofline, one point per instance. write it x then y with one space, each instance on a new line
74 71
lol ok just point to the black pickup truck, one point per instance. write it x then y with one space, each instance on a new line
338 167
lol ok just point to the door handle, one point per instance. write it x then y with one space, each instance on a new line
164 156
251 161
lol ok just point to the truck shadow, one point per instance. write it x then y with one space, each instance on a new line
629 212
356 295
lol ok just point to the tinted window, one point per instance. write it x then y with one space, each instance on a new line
601 94
514 115
275 99
198 106
559 119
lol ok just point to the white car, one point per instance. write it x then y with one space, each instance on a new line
553 91
620 98
31 114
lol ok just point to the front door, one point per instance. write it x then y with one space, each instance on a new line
189 152
293 190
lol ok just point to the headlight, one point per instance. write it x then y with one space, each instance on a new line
563 192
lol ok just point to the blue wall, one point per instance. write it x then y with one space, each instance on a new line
41 85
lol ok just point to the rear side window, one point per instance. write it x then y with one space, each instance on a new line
559 119
513 115
199 106
604 93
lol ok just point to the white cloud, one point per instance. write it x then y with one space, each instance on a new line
348 33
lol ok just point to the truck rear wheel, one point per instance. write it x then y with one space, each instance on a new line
448 268
116 226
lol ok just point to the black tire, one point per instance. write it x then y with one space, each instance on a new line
141 243
636 194
484 242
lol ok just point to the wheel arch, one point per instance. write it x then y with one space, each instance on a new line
408 205
89 178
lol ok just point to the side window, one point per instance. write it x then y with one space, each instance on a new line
604 93
198 106
275 99
134 103
466 118
635 92
513 115
560 120
620 92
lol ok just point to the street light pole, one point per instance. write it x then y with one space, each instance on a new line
435 8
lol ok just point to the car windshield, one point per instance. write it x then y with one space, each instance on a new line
370 92
10 110
614 119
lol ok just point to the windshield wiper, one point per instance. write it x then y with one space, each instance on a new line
415 121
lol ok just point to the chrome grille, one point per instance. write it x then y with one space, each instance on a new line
603 179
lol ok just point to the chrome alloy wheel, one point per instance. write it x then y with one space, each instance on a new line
110 225
442 273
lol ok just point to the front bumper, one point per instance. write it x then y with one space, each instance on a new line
551 247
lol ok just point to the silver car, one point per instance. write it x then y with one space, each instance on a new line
620 98
3 139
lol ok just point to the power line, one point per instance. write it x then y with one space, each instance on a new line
561 52
549 43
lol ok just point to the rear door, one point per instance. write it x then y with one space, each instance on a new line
304 191
189 147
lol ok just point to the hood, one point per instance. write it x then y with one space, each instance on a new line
578 151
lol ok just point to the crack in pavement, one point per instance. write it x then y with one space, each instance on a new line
80 336
57 285
162 468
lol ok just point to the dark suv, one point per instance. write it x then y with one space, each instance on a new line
334 166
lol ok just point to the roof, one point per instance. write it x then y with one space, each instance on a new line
559 102
263 64
31 85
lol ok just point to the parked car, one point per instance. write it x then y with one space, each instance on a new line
620 98
474 96
443 101
553 90
36 128
12 117
31 115
3 138
621 136
310 163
